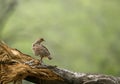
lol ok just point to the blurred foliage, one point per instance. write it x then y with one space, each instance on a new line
82 35
6 9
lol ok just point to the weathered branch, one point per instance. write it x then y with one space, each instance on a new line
16 66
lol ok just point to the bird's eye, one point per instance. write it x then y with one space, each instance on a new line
33 44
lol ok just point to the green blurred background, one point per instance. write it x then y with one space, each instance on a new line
82 35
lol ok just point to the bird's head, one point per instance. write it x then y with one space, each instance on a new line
41 39
38 41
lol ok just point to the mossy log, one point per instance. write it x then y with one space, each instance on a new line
16 66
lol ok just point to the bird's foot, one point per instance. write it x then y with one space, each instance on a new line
42 63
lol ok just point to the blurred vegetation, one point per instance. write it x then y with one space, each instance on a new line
82 35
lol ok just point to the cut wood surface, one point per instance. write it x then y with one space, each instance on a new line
16 66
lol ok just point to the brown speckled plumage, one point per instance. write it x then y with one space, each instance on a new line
40 50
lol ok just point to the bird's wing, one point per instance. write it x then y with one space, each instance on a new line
45 49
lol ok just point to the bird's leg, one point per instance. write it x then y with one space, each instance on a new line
41 60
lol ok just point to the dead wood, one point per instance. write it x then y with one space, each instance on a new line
16 66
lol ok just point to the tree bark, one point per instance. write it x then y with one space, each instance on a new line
16 66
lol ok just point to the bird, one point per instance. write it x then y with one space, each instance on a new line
40 50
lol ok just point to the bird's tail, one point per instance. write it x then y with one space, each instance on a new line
49 57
